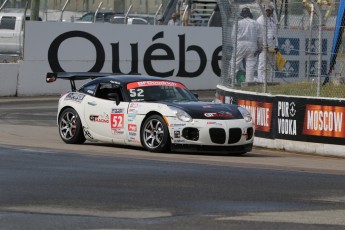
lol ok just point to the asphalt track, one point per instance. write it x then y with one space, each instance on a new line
47 184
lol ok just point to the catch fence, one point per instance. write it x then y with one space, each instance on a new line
301 25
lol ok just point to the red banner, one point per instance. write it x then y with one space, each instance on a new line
261 113
321 120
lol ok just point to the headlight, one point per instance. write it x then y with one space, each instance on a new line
180 114
246 115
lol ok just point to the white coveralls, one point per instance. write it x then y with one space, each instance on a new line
248 40
272 43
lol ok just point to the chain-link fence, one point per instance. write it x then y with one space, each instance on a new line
13 17
290 59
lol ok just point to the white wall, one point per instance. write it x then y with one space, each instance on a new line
8 79
77 54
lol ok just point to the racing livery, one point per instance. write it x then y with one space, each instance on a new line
152 112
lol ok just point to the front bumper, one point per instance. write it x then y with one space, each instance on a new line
237 149
220 134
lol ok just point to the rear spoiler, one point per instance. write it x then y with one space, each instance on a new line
72 76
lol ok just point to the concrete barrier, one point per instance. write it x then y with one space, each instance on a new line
293 123
9 79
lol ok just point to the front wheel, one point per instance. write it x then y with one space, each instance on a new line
70 127
154 134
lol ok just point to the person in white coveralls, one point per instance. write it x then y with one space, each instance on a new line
272 43
249 41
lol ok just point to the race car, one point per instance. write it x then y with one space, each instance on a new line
152 112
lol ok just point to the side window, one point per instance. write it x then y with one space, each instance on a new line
87 18
138 21
89 89
8 23
105 88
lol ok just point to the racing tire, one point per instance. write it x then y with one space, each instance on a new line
154 134
70 127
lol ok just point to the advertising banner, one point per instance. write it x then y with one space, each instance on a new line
311 120
293 118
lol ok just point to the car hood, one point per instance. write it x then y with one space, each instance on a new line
207 110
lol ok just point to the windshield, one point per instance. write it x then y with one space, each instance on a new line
159 91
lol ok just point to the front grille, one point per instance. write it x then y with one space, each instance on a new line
235 135
217 135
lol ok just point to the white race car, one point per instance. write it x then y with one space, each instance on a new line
152 112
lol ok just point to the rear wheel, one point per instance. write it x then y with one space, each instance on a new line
154 134
70 127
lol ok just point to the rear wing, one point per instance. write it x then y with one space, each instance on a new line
72 76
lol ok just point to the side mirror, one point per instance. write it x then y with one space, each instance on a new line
196 95
114 97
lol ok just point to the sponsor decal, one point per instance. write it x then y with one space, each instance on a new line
131 121
287 125
132 127
177 125
117 110
179 141
134 141
117 118
209 114
77 97
153 83
87 133
261 113
137 99
207 106
219 114
132 115
104 118
177 134
118 131
132 133
132 110
321 120
93 117
214 123
134 105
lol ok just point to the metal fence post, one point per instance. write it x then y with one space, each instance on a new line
319 64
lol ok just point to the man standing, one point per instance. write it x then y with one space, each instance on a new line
272 43
249 40
174 20
184 11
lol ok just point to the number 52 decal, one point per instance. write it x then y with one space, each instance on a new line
136 92
116 120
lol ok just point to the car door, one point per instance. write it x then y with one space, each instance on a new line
97 117
104 117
